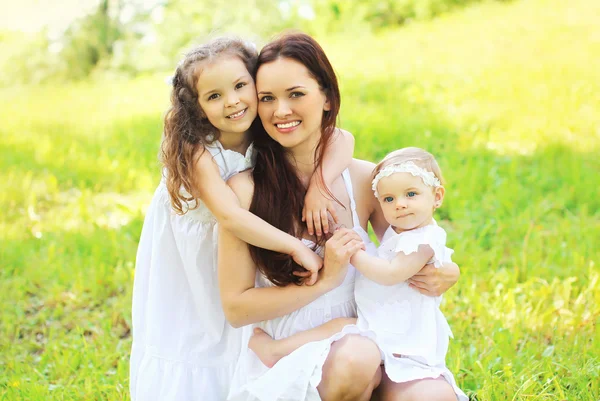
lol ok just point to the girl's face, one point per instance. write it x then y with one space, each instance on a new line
407 202
227 95
290 103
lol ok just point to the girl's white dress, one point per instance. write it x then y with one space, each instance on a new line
183 348
296 376
409 327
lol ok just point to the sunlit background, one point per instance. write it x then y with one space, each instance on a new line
506 94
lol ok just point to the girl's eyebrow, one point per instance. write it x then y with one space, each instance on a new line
216 90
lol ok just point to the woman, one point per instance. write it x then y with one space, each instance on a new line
298 105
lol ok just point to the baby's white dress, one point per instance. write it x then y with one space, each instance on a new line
183 348
404 321
296 376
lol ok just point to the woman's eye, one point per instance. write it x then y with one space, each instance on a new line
296 94
411 194
266 98
213 96
240 85
388 199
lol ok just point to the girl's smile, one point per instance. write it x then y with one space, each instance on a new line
227 95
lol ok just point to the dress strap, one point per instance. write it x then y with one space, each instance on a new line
348 182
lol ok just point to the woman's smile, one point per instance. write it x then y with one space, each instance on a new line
286 127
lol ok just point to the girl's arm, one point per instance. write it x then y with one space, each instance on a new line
317 203
395 271
223 203
243 303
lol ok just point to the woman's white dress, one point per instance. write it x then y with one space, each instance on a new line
183 348
296 376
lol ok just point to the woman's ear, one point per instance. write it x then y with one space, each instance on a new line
327 106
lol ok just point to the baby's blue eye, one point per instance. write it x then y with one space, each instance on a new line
213 96
240 85
411 194
388 199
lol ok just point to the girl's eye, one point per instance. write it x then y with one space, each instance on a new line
266 98
411 194
388 199
240 85
213 96
296 94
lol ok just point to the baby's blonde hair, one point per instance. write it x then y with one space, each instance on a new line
420 157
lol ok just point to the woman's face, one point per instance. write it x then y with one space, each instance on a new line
290 102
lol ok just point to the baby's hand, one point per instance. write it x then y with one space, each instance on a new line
312 262
314 213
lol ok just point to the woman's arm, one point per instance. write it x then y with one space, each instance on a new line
242 302
223 203
434 282
395 271
317 203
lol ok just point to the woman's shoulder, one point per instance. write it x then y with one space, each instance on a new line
361 171
242 185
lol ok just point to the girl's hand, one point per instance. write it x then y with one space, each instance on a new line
316 207
312 262
434 282
338 250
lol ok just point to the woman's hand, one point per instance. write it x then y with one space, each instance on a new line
434 282
316 207
338 250
312 262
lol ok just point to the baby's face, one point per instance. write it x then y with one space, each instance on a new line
407 202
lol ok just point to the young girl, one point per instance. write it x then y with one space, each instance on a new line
408 327
183 349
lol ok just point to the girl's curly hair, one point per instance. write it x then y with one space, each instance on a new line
186 128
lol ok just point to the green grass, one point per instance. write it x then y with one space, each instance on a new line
505 95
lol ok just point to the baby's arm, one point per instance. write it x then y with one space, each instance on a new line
395 271
223 203
317 202
271 351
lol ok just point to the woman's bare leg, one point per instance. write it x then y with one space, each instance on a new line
426 389
270 351
351 371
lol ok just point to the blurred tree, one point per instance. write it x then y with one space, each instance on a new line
90 41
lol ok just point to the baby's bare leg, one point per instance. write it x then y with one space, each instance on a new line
270 351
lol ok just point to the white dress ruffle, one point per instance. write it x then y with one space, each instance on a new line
183 348
296 376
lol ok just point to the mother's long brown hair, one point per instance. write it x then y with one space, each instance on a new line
278 192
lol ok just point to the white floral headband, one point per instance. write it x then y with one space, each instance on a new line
407 167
